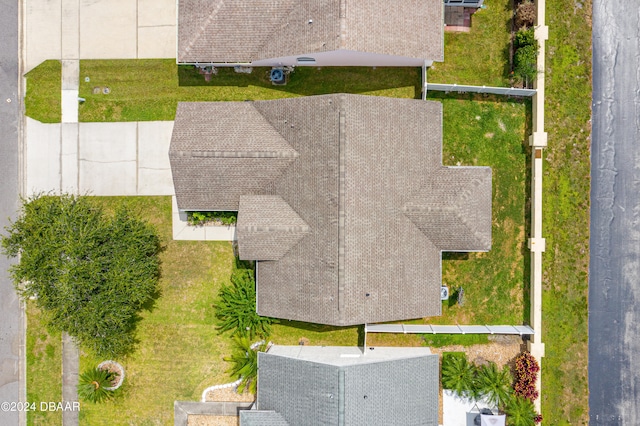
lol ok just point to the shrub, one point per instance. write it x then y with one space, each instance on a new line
525 14
236 307
525 37
521 412
526 374
458 374
525 64
244 363
93 384
200 218
494 385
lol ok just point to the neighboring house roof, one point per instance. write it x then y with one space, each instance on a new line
340 385
344 201
250 30
261 418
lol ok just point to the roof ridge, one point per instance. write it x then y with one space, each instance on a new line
342 138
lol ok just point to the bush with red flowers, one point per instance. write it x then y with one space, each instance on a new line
526 374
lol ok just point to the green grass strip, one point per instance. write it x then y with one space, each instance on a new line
43 101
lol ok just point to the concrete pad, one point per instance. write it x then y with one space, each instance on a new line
182 230
42 145
69 106
107 158
70 74
70 29
69 158
157 42
458 411
42 31
154 169
108 29
153 13
219 233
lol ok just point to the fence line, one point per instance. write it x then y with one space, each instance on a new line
521 330
461 88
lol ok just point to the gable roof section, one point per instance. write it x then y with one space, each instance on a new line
457 202
267 227
217 143
333 385
356 217
250 30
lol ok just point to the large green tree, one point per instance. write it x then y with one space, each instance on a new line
91 272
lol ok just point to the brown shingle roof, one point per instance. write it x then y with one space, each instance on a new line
267 227
364 174
249 30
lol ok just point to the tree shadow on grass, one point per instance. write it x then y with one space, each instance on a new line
309 81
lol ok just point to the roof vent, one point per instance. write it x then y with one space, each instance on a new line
310 21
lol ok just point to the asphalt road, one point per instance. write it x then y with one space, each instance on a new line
10 332
614 283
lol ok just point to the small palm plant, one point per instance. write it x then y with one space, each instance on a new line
494 385
236 307
459 375
244 363
93 385
521 412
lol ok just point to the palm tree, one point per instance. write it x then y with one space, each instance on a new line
459 375
520 412
93 385
494 385
244 360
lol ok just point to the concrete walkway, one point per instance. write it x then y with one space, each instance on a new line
70 363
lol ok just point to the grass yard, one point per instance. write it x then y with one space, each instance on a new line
565 394
481 56
43 100
44 368
143 90
486 132
180 352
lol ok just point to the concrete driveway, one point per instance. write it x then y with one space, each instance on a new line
129 158
98 29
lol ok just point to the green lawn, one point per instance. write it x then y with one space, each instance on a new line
481 56
44 368
142 90
43 100
565 390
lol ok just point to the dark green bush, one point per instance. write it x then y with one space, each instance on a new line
244 363
236 307
458 374
200 218
93 385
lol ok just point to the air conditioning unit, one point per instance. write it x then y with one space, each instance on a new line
444 293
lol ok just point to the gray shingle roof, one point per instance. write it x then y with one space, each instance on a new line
261 418
249 30
306 391
366 205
